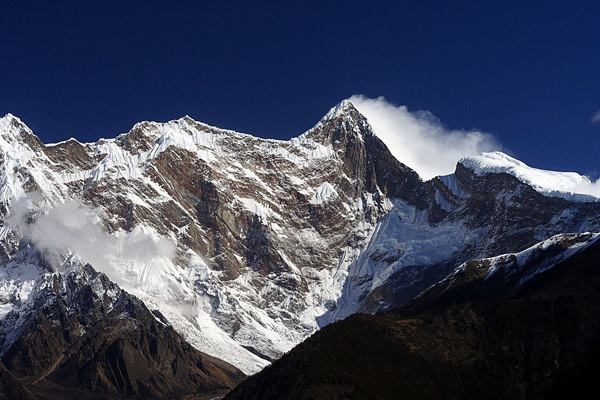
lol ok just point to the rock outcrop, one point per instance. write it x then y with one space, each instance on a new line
538 341
82 336
247 246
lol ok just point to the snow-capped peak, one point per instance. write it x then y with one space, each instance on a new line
12 125
341 108
567 185
8 116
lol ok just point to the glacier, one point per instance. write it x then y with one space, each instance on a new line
247 246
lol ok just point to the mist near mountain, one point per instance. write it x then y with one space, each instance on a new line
73 228
243 247
419 139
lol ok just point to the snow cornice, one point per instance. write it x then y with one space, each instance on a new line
567 185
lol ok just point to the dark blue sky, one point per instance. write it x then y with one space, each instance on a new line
528 73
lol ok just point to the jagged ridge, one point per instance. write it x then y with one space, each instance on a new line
538 341
81 335
273 239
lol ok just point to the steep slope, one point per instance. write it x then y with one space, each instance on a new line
247 246
530 343
11 388
493 277
486 214
75 333
263 231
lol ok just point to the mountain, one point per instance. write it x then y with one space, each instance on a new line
247 246
538 340
11 388
75 333
484 215
250 240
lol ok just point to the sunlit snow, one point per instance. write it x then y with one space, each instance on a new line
568 185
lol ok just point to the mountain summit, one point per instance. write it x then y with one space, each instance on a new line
247 246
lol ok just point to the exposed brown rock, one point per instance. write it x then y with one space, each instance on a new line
78 343
537 342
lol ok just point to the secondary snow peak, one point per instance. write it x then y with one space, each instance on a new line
270 237
568 185
12 127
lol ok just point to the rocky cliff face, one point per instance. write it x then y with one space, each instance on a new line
247 246
75 333
481 216
538 341
263 230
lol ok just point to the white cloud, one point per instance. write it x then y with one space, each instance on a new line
73 228
419 140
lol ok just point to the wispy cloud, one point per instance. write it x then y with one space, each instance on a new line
419 140
596 118
73 228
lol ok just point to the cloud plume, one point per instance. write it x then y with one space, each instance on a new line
419 140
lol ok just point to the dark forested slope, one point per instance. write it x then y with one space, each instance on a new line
540 341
